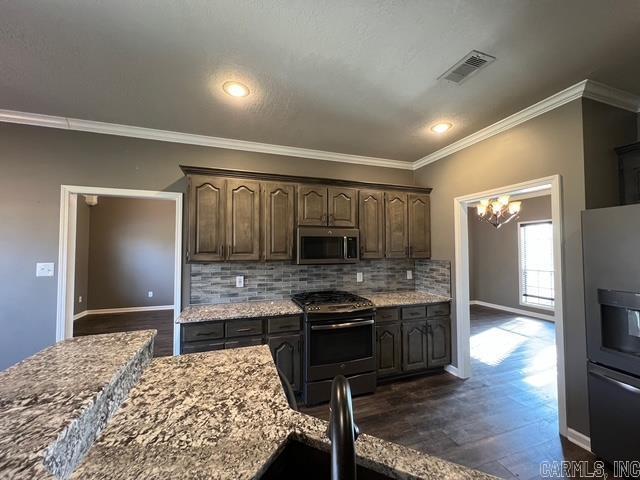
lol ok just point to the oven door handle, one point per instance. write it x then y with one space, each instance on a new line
336 326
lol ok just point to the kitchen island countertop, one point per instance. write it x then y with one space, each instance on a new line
223 415
55 403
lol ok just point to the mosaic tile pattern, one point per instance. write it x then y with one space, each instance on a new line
433 276
215 282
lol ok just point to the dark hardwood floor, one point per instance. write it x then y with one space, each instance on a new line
502 421
161 320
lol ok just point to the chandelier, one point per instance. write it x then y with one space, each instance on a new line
499 211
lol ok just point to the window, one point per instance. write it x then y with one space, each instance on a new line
535 249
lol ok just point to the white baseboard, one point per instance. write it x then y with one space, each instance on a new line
105 311
541 316
453 371
579 439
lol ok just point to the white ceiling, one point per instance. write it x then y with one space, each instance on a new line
357 77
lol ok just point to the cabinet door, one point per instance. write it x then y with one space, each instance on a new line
343 207
286 353
388 344
243 220
396 237
439 341
206 218
277 217
371 223
312 205
414 346
419 226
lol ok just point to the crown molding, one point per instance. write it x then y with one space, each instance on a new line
35 119
586 88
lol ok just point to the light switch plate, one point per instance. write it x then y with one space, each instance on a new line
44 269
240 281
359 277
409 274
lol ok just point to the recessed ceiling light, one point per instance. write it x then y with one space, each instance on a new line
441 127
236 89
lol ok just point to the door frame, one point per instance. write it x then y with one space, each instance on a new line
67 252
462 314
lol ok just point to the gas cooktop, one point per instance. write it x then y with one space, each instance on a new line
331 301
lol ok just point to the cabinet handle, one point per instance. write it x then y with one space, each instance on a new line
220 250
406 251
410 250
248 329
324 217
331 219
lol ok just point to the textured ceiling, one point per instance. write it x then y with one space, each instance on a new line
355 76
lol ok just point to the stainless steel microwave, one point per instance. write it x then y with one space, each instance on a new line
325 245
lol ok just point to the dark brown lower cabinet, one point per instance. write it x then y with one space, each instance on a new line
414 346
439 341
388 343
287 355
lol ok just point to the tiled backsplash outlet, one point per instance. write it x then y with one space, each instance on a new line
215 282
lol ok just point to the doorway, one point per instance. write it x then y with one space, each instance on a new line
462 321
120 263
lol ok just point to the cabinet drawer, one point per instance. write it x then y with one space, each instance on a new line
439 309
195 347
244 342
387 315
244 328
202 331
283 324
409 313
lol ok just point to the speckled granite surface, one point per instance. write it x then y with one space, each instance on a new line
225 311
396 299
55 403
223 415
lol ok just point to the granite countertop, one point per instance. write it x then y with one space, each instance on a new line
54 404
178 423
226 311
409 297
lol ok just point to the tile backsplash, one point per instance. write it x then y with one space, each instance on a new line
215 282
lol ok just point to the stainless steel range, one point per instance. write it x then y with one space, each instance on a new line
339 340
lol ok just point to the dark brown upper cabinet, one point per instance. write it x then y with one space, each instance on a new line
243 220
278 219
312 205
396 228
343 207
419 226
333 206
371 217
206 199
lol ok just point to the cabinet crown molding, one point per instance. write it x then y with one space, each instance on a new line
275 177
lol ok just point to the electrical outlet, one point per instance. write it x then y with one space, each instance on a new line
359 277
80 299
409 274
150 294
240 281
44 269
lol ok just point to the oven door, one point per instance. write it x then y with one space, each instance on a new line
343 346
318 245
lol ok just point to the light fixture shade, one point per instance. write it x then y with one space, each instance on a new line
503 200
514 207
481 209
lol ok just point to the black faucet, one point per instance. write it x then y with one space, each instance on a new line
342 432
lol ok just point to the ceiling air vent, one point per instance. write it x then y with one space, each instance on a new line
470 64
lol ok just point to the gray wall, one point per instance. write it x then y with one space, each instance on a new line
546 145
131 252
81 282
36 161
493 256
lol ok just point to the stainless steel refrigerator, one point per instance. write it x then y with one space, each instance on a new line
611 251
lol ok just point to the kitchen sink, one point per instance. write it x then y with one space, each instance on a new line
299 460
